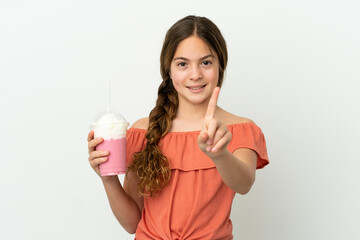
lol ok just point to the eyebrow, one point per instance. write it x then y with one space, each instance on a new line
182 58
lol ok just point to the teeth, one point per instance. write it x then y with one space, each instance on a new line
197 88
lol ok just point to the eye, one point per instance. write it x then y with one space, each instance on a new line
206 63
181 64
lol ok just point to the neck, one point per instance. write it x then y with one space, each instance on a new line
191 112
189 117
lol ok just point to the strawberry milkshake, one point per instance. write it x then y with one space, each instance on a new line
112 128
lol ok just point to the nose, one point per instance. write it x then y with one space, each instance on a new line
195 73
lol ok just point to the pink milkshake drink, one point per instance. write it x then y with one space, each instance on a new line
112 128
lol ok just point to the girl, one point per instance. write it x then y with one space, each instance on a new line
186 160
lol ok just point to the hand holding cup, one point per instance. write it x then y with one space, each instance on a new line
96 157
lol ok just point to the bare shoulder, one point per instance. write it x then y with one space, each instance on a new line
142 123
229 118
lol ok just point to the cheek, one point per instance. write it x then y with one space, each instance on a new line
213 75
178 77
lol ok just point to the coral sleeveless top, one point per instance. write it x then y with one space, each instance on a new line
196 204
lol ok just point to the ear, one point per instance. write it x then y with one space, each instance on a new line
170 75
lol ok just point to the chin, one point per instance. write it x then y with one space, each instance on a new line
197 101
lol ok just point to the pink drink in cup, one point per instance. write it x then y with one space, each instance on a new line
112 128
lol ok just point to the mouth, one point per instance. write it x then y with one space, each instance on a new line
196 87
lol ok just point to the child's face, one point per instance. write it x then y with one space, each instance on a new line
194 70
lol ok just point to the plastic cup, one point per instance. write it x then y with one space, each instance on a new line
112 128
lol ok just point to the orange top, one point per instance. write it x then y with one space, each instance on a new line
196 204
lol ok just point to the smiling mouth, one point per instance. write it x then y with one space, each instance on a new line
196 87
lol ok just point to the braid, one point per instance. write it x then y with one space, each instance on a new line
150 165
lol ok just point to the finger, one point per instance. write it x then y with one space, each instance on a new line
90 136
202 139
213 103
93 143
97 161
212 128
220 133
98 154
222 142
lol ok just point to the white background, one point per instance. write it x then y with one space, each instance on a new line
293 69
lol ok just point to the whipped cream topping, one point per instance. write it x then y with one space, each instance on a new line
110 127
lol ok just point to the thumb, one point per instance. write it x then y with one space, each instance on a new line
204 137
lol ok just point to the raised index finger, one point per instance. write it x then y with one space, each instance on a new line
212 103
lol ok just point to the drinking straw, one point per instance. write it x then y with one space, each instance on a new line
108 106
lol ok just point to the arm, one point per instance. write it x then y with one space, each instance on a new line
125 203
237 170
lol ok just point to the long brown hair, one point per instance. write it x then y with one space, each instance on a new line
150 165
